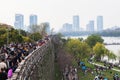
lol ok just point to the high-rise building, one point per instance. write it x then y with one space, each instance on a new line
90 26
87 28
19 21
67 27
99 23
76 26
33 20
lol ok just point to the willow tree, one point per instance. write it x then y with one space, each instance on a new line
111 55
99 51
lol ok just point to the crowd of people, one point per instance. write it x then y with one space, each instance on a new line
97 72
12 54
70 73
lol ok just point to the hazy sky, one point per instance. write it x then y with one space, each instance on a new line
58 12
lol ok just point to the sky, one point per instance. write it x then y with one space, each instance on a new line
58 12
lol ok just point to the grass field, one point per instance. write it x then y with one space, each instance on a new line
108 73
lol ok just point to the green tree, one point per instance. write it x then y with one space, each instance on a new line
77 48
23 33
3 40
111 55
19 38
2 31
99 51
8 34
93 39
35 36
26 39
81 39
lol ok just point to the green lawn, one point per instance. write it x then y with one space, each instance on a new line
109 73
82 76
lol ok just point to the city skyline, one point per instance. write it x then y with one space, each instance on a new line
90 26
60 11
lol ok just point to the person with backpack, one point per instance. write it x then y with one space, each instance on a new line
10 73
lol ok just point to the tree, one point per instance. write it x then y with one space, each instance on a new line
81 39
77 48
93 39
35 36
2 31
99 51
26 39
23 33
34 28
39 29
111 55
3 40
18 38
43 29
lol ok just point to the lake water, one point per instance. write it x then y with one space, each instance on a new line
114 48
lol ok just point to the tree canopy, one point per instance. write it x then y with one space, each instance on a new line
78 48
100 51
93 39
35 36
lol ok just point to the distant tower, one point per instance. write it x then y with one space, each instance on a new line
33 20
19 21
76 26
90 26
99 23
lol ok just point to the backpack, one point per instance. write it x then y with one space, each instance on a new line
10 72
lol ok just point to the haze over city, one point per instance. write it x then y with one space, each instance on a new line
58 12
